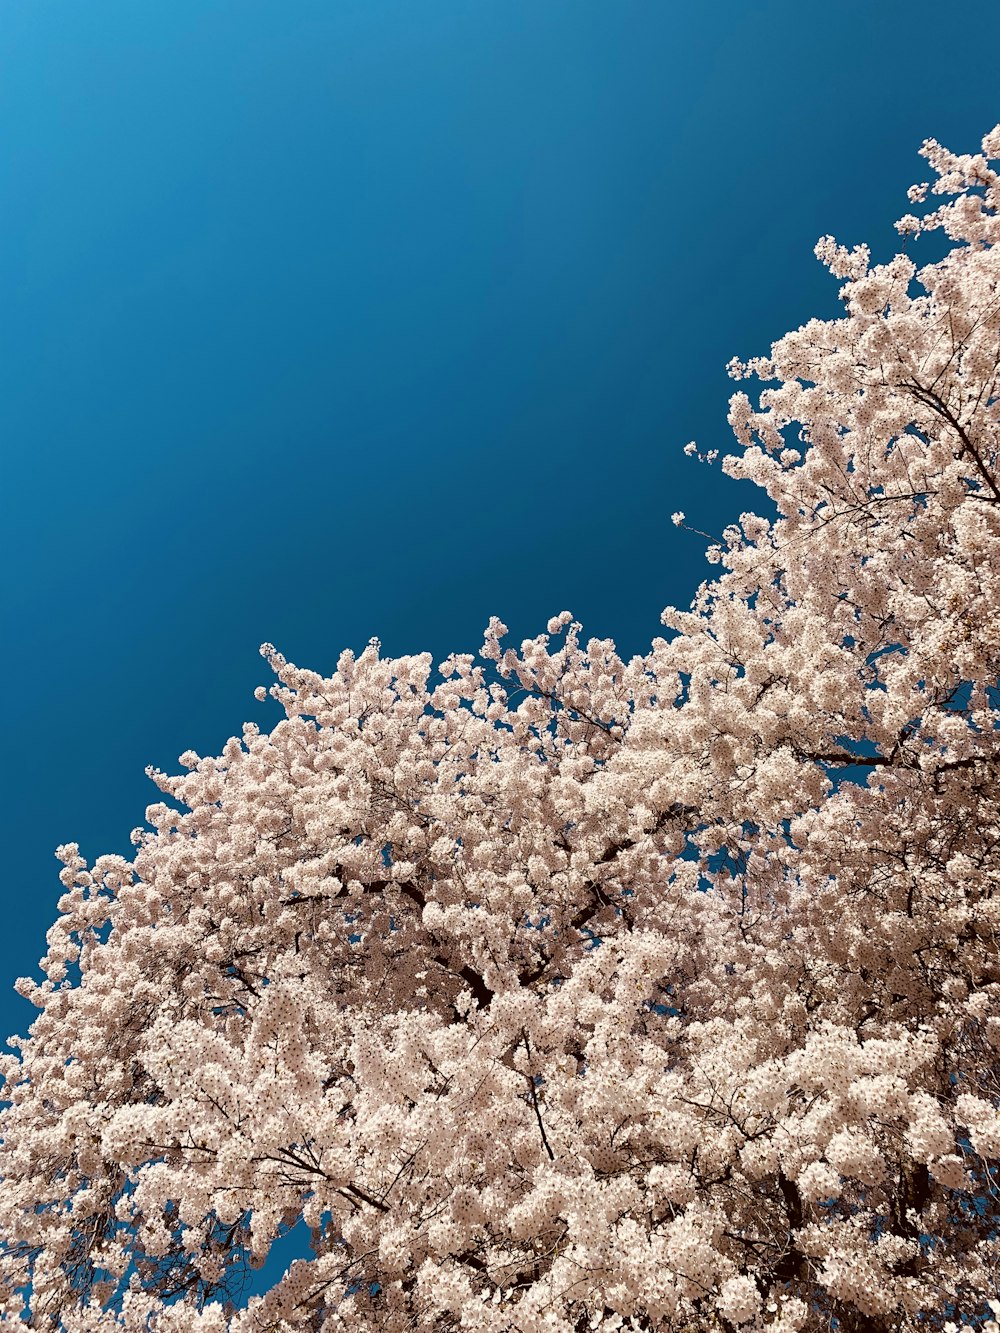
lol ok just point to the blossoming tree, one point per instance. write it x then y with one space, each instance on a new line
558 992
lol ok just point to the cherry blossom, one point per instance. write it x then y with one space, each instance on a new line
554 991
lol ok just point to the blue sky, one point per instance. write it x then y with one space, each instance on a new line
344 318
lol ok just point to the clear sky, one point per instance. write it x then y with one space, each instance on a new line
327 319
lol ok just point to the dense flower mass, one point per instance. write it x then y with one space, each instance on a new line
557 992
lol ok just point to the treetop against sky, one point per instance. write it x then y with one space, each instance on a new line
560 989
366 318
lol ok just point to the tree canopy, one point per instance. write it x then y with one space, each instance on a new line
558 992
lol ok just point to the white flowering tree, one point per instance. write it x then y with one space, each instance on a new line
557 992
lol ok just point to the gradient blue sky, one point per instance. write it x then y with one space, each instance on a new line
334 318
